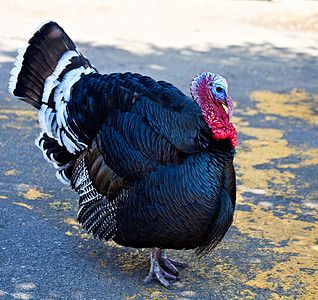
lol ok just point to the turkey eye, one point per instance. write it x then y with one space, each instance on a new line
219 89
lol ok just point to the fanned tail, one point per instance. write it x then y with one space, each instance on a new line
43 76
58 156
40 60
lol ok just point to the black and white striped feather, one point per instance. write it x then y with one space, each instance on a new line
97 213
43 76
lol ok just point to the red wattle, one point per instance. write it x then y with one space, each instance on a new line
212 109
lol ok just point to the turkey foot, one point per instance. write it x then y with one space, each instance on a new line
167 263
159 260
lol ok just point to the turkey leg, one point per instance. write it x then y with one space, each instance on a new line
159 261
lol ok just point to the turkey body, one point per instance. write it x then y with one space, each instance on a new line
171 176
142 156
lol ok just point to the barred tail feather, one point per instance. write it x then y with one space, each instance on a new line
57 155
36 62
16 71
43 76
41 66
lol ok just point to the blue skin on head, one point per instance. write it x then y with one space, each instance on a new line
219 88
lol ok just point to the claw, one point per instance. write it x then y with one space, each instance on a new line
161 276
159 262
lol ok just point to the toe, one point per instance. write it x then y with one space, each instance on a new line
162 279
177 263
165 263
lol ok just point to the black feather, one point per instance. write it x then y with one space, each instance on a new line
144 161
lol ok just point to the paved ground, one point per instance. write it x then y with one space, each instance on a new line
268 52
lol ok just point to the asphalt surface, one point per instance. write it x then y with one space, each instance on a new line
271 251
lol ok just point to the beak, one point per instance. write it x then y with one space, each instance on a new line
229 104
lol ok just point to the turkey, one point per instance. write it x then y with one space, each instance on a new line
153 168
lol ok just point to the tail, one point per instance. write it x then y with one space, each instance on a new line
43 77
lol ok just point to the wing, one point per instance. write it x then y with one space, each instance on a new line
229 181
128 98
100 190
